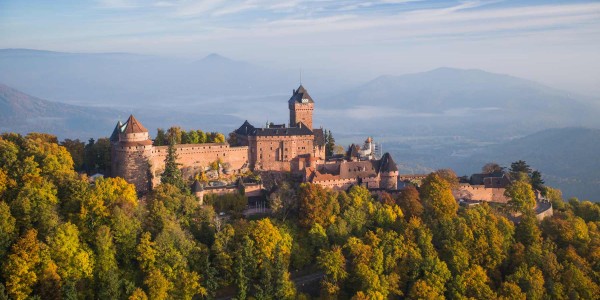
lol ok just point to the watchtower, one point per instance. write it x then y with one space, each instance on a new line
301 108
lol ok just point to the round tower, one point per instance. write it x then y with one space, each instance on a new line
388 172
131 154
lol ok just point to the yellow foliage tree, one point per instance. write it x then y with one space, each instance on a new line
266 236
19 269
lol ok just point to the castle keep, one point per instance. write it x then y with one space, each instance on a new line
284 148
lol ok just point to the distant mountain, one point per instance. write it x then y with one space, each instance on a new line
131 80
464 102
567 157
22 113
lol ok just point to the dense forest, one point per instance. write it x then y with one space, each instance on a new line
64 237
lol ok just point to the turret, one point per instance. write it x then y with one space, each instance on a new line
131 152
388 172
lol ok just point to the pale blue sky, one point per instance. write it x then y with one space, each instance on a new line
554 42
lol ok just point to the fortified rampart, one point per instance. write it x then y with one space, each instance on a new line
480 193
198 157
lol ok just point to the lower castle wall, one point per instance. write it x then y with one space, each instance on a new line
480 193
337 184
198 156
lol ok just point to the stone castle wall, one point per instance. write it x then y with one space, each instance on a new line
480 193
198 156
279 153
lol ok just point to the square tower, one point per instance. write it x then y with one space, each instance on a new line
301 108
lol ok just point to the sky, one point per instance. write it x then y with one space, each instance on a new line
553 42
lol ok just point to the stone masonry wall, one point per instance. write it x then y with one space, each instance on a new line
278 153
198 156
480 192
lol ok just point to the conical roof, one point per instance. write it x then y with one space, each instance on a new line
114 137
387 164
197 187
134 126
245 129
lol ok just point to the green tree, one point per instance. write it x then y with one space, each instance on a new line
76 149
283 286
106 270
172 174
329 143
74 260
519 167
333 264
161 138
193 137
530 280
201 137
537 183
244 268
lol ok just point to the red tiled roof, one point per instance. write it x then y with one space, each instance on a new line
134 126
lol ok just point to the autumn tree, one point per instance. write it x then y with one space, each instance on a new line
409 202
333 264
174 135
438 201
284 201
521 196
19 270
491 168
316 205
7 229
74 259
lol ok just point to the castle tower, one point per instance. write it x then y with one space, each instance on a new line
388 170
131 149
301 108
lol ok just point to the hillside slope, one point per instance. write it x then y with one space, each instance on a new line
464 102
567 157
23 113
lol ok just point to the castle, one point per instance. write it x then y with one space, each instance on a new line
298 148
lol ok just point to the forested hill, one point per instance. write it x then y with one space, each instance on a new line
568 158
23 113
64 238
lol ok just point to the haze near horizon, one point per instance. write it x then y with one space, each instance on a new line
552 42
